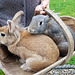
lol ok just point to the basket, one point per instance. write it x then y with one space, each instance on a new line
11 66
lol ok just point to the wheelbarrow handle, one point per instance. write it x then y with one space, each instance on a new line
66 32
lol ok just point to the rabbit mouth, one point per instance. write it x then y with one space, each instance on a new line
2 42
33 32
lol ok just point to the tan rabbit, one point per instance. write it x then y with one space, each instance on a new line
38 51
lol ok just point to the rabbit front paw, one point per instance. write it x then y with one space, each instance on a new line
21 61
26 68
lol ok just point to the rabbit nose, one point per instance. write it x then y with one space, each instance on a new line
31 30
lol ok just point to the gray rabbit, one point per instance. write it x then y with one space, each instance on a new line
47 25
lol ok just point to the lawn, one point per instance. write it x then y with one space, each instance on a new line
1 72
65 8
72 61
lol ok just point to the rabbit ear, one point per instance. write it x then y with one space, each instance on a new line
11 26
17 17
47 18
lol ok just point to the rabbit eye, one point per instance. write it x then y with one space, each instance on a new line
2 34
41 23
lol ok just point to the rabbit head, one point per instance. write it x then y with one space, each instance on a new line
9 34
38 24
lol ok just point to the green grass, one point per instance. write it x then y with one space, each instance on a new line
66 8
1 72
72 61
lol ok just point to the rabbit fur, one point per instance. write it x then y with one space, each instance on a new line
38 51
48 26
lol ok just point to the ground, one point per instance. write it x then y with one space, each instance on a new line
65 8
